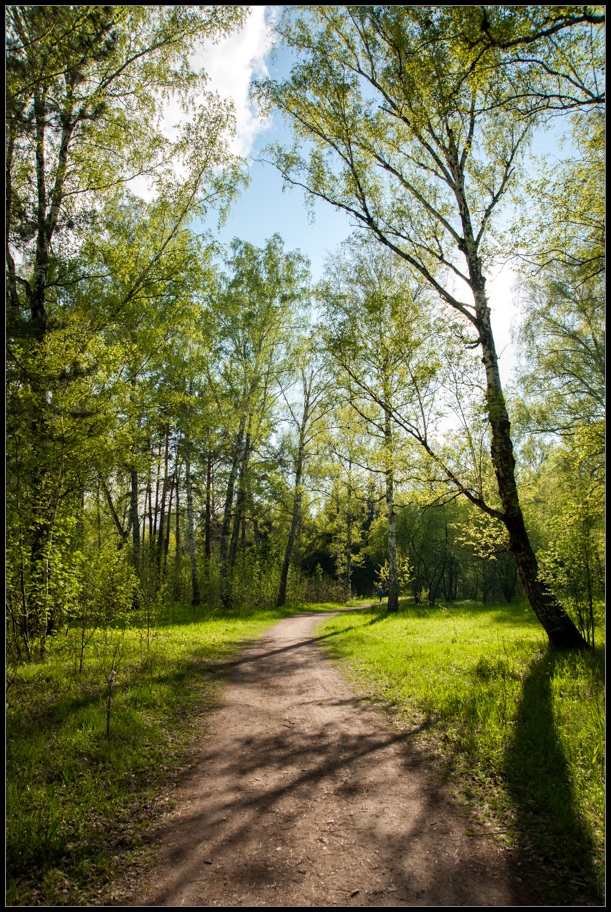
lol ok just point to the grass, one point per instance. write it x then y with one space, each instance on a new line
517 728
89 762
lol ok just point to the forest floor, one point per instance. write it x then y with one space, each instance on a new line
301 794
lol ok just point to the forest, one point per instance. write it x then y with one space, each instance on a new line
213 423
211 426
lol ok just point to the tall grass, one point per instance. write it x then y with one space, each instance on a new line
518 729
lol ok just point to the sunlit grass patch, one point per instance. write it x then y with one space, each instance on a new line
518 730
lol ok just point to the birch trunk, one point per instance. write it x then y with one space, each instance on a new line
135 519
560 629
196 596
295 518
226 526
393 578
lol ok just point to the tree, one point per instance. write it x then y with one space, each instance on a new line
85 89
572 531
376 333
419 144
562 370
562 351
561 373
256 309
314 388
554 54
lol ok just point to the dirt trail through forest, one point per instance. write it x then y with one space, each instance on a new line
303 796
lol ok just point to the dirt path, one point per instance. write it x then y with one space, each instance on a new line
303 796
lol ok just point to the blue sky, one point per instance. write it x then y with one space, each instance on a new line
263 208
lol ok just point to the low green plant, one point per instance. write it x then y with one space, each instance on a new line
518 729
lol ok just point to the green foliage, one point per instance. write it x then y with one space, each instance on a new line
142 366
572 536
561 377
319 587
415 124
405 575
87 263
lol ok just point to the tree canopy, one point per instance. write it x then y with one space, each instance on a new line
217 423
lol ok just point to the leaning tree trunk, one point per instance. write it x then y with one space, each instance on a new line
560 629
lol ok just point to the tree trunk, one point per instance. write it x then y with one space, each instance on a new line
348 575
562 632
258 551
124 533
295 517
135 519
164 491
560 629
148 510
208 518
39 581
166 544
196 598
177 567
156 513
348 578
226 527
240 503
298 494
393 578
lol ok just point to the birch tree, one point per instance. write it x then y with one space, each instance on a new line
256 311
399 126
307 417
86 88
386 361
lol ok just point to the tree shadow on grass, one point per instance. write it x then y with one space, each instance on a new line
555 849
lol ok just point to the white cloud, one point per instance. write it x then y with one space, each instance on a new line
231 64
502 296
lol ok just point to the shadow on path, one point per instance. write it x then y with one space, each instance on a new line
302 790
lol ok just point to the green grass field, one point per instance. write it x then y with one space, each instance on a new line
518 731
517 728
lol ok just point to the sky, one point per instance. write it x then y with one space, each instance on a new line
265 207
